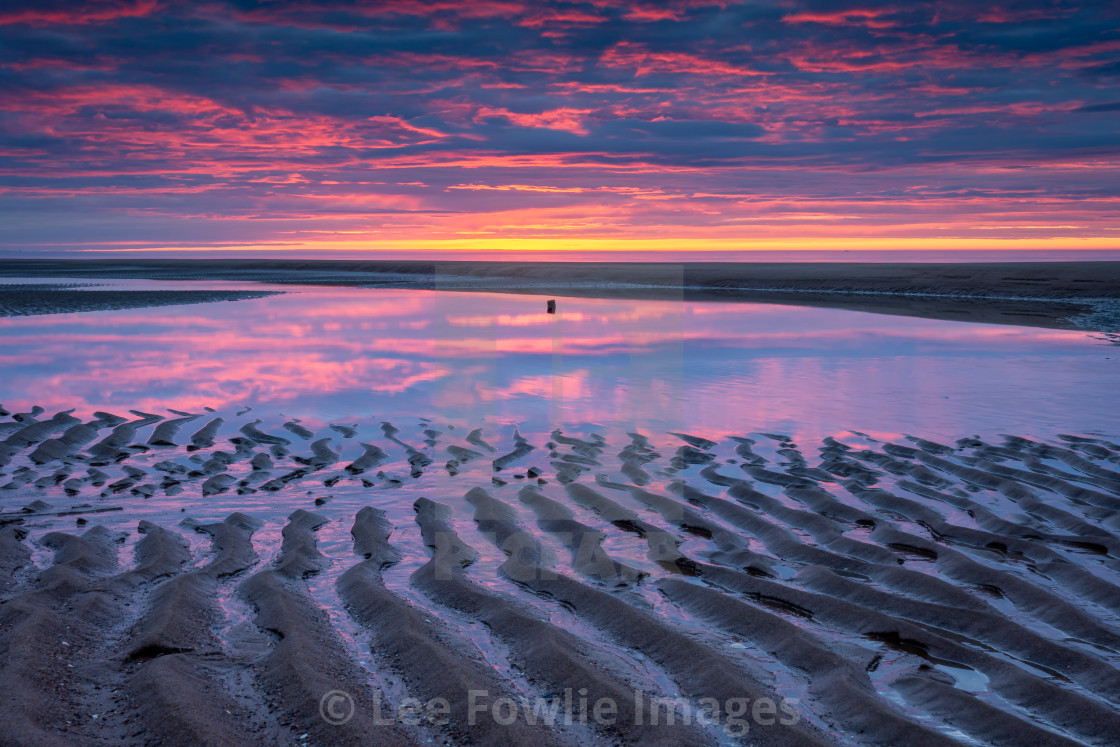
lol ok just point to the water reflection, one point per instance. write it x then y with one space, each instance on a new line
474 358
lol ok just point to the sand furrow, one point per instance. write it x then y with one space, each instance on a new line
74 614
475 437
700 672
841 686
164 434
663 545
549 656
1045 561
583 542
989 629
522 449
299 430
72 439
1028 500
430 658
1034 600
820 528
730 547
307 662
934 692
256 434
52 622
33 433
1085 717
370 458
905 592
204 437
177 670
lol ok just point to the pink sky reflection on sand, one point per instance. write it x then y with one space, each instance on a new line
333 354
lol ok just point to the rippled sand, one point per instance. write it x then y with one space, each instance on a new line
211 578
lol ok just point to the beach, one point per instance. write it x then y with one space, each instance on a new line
397 589
1046 294
565 373
344 504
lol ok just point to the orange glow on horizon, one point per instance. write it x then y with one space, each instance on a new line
464 248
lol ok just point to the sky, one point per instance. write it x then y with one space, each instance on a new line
525 128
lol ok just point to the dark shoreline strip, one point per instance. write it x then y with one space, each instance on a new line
68 301
1044 294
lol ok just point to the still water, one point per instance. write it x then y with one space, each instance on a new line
331 354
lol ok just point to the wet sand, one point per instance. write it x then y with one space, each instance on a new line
32 299
293 582
1047 294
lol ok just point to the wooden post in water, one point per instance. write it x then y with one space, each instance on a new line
551 306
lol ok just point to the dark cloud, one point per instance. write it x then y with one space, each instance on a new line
268 115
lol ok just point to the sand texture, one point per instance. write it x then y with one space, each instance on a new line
906 592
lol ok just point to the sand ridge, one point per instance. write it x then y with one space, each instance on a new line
882 591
